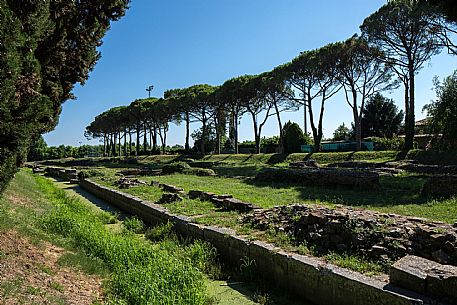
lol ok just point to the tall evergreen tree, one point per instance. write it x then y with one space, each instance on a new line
46 47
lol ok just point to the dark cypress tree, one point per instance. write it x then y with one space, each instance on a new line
46 47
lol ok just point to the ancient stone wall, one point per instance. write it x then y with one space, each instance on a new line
312 279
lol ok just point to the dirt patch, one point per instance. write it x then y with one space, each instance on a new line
31 275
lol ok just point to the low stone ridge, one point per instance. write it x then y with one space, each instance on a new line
62 173
307 163
440 186
141 172
321 176
168 188
169 198
398 167
223 201
426 277
309 277
383 237
126 183
203 164
38 169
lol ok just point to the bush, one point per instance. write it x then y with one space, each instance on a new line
294 138
89 173
133 224
394 143
175 167
200 172
161 232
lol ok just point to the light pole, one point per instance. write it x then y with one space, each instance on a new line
149 90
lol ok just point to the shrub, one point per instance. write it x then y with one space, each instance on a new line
175 167
394 143
294 138
89 173
161 232
202 172
133 224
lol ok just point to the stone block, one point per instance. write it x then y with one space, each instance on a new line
195 230
194 194
440 186
426 277
219 238
269 261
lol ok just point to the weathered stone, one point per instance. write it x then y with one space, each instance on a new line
441 257
440 186
426 277
410 272
321 176
367 232
125 183
169 198
171 188
195 194
306 163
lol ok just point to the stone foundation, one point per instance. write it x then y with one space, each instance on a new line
321 176
440 186
311 278
383 237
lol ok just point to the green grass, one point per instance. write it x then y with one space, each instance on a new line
138 271
87 264
142 273
398 194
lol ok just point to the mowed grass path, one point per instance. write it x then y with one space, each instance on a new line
400 194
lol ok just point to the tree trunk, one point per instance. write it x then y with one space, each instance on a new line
202 142
145 139
120 145
154 139
281 135
104 145
125 142
187 146
357 125
410 119
256 133
114 144
164 145
317 141
130 141
305 123
138 140
235 129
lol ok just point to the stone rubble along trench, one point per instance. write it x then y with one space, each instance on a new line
382 237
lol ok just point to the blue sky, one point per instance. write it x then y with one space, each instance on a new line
179 43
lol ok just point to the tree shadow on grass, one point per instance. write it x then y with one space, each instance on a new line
240 171
393 191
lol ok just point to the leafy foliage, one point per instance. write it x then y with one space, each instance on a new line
442 113
46 47
341 133
381 118
294 138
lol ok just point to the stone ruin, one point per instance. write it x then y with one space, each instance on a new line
140 172
126 183
440 186
382 237
226 202
426 277
306 163
321 176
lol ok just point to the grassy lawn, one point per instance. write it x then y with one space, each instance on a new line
138 271
399 194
